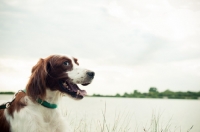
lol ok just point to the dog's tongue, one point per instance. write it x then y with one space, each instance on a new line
76 89
83 92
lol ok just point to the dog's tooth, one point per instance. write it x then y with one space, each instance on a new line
78 92
65 84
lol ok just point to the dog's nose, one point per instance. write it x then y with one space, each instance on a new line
90 74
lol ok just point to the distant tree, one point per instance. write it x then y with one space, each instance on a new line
117 95
126 94
153 92
168 93
96 95
135 92
153 89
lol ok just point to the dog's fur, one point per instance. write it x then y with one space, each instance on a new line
50 79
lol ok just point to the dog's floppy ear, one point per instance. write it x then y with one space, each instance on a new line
36 87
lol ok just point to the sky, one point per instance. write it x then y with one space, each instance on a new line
130 44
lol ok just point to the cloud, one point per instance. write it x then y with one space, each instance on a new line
135 44
191 5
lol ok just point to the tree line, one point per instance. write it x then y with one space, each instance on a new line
7 92
154 93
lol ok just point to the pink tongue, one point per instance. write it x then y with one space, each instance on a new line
83 92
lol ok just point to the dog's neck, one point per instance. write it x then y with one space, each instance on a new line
52 97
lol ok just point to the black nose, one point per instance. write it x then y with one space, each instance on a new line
90 74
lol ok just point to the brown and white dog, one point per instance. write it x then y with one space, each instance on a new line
50 79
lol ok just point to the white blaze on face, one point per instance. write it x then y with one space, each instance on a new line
78 75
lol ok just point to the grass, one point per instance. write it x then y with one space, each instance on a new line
156 124
120 123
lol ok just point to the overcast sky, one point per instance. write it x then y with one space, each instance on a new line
130 44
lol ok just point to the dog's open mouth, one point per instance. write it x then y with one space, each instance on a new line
73 90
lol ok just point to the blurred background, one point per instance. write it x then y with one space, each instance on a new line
130 44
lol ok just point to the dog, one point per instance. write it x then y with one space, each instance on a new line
35 108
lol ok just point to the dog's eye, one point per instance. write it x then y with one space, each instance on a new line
66 63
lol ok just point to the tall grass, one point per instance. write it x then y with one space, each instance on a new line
156 124
120 123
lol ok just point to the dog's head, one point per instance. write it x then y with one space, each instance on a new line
60 73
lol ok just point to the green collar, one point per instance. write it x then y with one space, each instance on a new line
42 102
46 104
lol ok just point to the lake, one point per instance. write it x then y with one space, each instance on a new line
130 114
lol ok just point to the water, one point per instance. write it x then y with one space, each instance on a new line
177 115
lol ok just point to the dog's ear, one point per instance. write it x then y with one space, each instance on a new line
48 67
36 87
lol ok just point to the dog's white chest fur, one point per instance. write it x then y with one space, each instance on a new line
37 118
